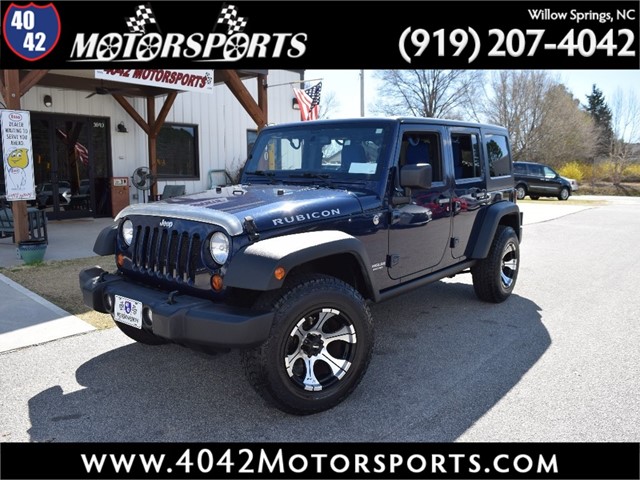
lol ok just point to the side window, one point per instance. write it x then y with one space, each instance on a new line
520 168
498 155
422 147
535 170
548 173
251 139
466 156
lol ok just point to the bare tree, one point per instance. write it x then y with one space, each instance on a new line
517 103
328 104
427 93
625 110
544 120
566 132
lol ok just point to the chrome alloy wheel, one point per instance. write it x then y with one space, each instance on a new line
509 265
320 349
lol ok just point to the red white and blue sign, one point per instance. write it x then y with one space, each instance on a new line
31 31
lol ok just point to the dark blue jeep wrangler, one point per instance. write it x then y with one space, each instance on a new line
329 216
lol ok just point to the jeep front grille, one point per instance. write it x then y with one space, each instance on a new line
170 254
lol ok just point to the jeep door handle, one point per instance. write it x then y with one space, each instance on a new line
478 194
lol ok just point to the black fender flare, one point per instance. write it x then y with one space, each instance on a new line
105 243
489 222
253 267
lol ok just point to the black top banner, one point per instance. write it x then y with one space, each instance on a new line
322 34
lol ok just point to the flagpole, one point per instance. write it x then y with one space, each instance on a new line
362 93
291 83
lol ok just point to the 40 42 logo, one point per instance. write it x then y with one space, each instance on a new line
31 31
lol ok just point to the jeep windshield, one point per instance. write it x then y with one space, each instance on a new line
321 153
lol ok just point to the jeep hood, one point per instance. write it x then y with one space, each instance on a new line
269 206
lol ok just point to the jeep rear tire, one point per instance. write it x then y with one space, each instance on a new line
495 276
319 347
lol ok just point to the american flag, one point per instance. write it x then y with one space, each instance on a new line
229 15
79 149
309 101
144 16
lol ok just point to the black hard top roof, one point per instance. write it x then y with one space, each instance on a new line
392 120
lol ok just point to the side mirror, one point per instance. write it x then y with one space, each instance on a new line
416 176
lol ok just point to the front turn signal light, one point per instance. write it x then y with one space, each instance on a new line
279 273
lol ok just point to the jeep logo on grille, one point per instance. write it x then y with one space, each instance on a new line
164 223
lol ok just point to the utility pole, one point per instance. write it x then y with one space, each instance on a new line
362 93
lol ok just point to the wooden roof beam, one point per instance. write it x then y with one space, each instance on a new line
232 80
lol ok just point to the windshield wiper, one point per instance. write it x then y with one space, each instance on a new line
264 173
325 177
309 175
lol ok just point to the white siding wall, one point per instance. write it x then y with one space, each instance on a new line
222 123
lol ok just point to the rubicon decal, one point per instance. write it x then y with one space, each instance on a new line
31 31
302 217
227 41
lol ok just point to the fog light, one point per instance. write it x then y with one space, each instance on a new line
147 316
108 302
216 282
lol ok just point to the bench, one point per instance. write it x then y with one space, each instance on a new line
37 222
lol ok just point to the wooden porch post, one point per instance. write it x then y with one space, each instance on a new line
151 141
262 99
12 89
19 208
151 127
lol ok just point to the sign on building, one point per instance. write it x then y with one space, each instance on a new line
186 80
17 154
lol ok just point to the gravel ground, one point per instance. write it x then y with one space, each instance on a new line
57 281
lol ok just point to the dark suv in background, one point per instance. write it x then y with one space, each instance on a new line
538 180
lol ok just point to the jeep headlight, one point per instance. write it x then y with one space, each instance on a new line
127 232
219 247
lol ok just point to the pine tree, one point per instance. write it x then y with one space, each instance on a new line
601 114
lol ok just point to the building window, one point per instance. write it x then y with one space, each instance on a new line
177 151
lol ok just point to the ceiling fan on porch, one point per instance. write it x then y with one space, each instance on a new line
102 90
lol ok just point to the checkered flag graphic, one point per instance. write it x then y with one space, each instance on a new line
144 16
229 16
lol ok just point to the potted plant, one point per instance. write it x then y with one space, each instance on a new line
32 251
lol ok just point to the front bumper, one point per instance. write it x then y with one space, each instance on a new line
180 318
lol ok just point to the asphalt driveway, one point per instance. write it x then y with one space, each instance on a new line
558 361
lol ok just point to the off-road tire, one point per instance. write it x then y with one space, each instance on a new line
308 311
495 276
140 336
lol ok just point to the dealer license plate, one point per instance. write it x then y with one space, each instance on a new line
128 311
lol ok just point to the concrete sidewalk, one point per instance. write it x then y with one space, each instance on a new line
28 319
68 239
